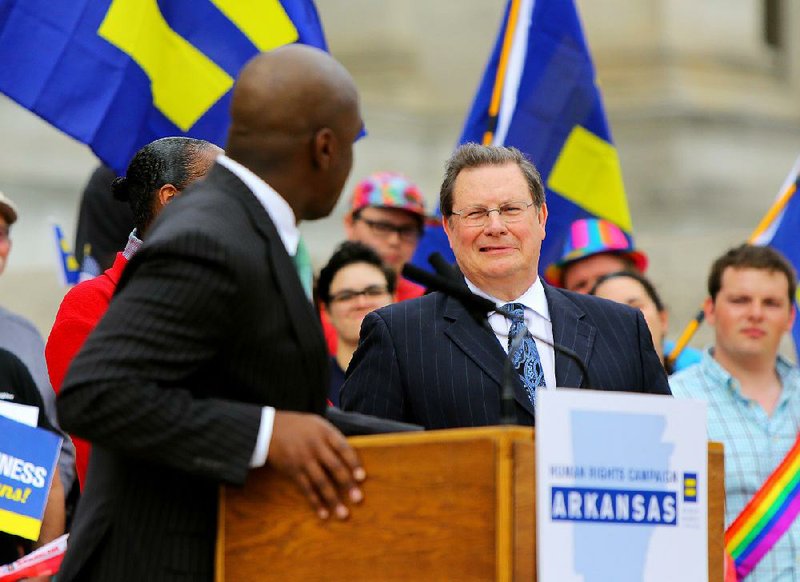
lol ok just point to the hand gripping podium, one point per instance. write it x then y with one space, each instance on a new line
440 505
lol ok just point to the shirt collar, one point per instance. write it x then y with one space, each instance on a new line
786 372
278 209
134 242
533 298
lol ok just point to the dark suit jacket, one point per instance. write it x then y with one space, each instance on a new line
427 361
209 323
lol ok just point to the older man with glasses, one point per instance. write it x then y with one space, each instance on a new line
431 361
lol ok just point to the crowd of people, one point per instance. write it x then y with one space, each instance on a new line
198 352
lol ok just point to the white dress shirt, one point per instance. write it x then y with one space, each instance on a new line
285 222
537 320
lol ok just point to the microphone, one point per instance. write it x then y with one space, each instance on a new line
508 413
480 306
475 304
443 267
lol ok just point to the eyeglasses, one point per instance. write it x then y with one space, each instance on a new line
350 294
386 229
479 215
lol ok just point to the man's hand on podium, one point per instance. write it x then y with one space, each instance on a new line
318 457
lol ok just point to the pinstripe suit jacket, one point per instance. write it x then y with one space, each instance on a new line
427 361
209 323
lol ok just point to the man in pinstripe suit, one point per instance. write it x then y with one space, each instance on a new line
210 341
428 361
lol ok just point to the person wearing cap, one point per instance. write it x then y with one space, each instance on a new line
594 248
20 337
387 213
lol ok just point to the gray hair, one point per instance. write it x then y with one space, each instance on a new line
473 155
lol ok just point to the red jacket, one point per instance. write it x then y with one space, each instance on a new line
80 311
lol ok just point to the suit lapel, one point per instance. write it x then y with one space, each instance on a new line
301 312
571 331
482 347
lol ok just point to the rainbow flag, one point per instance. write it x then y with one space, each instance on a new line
767 516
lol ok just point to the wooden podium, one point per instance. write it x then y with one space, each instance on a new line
440 505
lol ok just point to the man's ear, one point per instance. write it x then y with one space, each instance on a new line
324 148
447 229
166 193
708 311
542 216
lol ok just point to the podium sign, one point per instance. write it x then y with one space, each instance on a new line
621 486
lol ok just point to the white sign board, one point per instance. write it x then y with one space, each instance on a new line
24 413
621 485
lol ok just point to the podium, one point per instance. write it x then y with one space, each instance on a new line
440 505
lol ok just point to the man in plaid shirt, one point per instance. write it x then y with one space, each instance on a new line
753 394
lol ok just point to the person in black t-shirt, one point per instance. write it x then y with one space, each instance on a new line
16 385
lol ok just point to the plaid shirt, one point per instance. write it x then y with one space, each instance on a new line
755 444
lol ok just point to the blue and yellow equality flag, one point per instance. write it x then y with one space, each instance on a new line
539 95
780 229
117 74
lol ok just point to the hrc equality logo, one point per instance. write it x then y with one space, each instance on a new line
185 82
690 487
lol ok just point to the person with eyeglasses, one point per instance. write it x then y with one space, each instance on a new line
354 282
387 213
429 361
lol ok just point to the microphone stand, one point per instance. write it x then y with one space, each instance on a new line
478 307
451 273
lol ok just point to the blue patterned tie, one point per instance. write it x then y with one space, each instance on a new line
525 358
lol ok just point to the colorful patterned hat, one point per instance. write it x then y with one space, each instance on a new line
388 190
593 236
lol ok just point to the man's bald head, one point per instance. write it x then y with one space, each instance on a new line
294 119
290 90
